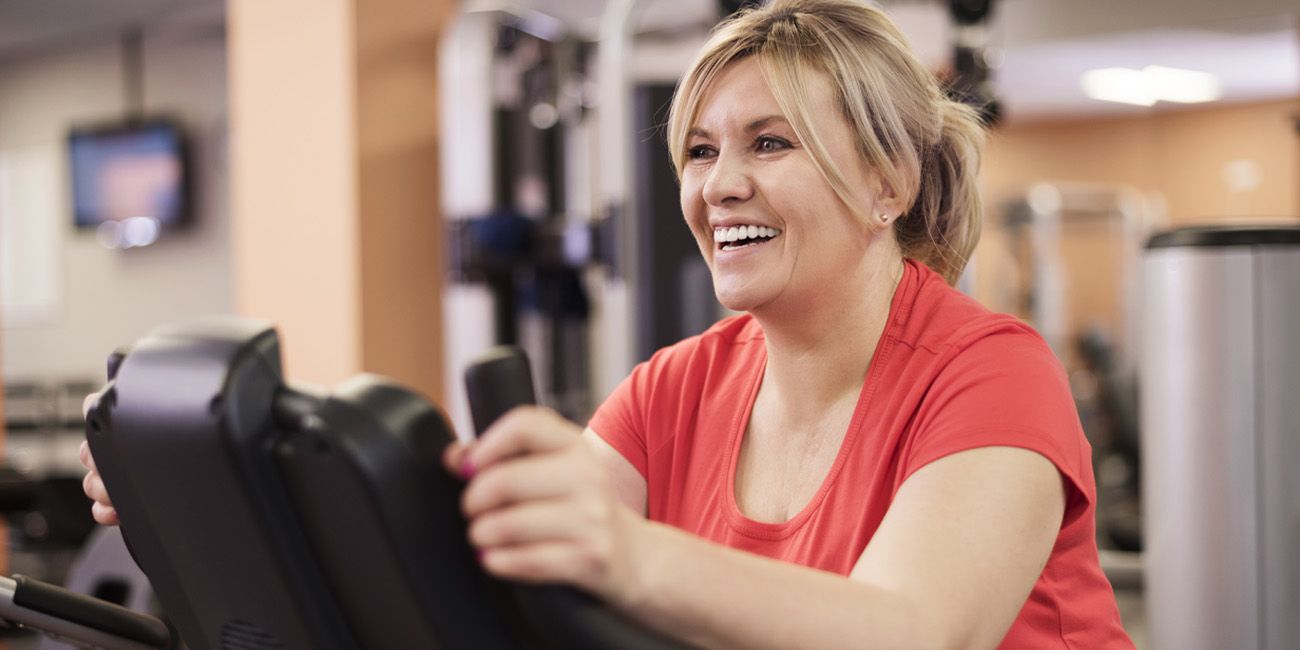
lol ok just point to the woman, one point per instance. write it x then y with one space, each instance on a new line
865 458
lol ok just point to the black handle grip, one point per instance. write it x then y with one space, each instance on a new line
497 382
91 612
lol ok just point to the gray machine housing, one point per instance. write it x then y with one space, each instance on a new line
1221 437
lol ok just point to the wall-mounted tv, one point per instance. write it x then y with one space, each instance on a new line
130 180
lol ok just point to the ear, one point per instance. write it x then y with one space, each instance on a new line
887 200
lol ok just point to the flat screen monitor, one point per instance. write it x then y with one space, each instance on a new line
132 177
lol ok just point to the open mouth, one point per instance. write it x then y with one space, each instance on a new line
737 237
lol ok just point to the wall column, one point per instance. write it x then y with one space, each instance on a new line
333 162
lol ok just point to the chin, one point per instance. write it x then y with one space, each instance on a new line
739 300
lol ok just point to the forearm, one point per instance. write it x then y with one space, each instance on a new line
717 597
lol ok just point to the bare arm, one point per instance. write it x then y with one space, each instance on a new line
950 567
627 482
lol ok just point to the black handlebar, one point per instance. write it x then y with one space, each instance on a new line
499 381
90 622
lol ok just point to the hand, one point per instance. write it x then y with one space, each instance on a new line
102 510
93 484
542 509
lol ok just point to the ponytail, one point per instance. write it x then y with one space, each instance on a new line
943 225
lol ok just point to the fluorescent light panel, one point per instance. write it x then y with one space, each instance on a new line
1118 85
1183 86
1151 84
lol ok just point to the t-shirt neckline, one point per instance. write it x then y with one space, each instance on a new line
898 311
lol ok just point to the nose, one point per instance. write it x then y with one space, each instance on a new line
728 181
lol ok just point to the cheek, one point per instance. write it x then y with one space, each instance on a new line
692 204
696 216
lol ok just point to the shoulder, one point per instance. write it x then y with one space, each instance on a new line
717 345
657 403
979 378
677 377
947 323
738 330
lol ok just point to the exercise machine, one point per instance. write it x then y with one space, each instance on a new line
269 516
1220 425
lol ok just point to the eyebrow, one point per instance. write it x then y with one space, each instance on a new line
752 126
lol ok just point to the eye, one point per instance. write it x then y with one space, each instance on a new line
771 144
700 152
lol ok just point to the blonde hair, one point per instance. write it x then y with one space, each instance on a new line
925 147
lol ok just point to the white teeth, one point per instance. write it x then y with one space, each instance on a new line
740 233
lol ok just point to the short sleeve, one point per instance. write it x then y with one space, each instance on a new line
1005 388
620 420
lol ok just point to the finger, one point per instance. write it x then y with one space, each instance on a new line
542 563
454 458
523 429
105 515
525 523
93 486
536 477
87 459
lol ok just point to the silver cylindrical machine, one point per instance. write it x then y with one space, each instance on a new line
1221 437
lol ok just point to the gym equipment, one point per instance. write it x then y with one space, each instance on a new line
74 618
1054 236
105 570
499 381
268 516
582 78
60 613
1220 425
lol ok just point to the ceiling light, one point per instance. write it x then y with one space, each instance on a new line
1118 85
1183 86
1151 84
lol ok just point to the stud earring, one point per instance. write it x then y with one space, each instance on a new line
884 219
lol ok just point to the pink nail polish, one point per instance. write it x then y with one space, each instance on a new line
467 470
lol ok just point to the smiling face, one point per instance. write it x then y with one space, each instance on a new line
774 233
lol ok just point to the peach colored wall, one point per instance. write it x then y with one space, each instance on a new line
1181 155
1192 148
401 249
337 231
293 179
1178 153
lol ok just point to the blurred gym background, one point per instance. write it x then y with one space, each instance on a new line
400 184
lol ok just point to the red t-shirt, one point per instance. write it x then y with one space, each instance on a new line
948 375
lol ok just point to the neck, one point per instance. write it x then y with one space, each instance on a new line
818 353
